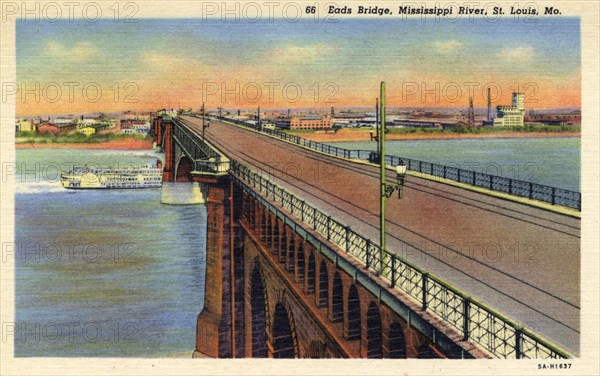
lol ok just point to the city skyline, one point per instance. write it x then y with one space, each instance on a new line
166 63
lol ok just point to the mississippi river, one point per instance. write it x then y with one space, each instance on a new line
103 272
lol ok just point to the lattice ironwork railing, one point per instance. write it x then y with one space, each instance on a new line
502 184
478 323
357 246
196 149
493 333
555 196
446 303
531 348
410 280
204 157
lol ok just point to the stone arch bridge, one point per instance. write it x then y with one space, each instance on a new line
286 280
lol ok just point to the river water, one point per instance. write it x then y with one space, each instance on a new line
551 161
103 272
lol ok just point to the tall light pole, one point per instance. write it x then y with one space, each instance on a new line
386 190
258 119
381 141
377 122
203 116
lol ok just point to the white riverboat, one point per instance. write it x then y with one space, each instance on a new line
129 177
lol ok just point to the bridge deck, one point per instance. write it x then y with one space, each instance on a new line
522 261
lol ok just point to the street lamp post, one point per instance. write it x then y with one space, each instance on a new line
386 190
381 157
205 124
203 117
377 122
258 123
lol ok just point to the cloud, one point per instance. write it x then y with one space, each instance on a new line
166 63
523 53
300 53
447 46
81 51
171 68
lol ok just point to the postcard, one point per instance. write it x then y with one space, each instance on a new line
265 187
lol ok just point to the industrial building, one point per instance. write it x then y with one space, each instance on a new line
511 116
573 118
304 122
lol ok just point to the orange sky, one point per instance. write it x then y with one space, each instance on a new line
73 68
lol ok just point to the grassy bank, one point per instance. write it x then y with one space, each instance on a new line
457 131
524 129
73 138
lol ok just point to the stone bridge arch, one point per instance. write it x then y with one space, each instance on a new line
374 332
258 310
183 169
282 332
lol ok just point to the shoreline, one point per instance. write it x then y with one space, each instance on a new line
126 144
341 136
352 135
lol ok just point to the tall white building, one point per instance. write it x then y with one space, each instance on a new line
511 116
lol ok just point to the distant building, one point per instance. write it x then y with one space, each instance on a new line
511 116
132 123
62 120
135 116
555 119
86 121
304 122
48 129
66 127
87 131
405 123
165 112
102 126
25 126
132 126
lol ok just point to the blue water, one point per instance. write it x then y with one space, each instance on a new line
103 273
551 161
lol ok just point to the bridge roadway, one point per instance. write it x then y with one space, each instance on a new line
520 260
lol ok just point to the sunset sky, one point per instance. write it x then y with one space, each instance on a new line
171 63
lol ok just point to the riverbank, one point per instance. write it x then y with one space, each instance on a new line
347 135
121 144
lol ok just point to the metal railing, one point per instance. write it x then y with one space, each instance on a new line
206 159
319 146
476 322
212 166
193 145
514 187
533 191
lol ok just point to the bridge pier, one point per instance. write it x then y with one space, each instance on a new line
183 193
219 331
168 146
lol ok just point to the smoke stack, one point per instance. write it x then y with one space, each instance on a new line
258 123
471 115
489 98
